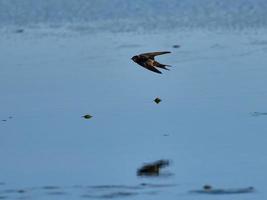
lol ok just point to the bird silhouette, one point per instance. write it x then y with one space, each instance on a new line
147 60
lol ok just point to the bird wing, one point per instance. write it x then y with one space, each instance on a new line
150 65
151 68
153 54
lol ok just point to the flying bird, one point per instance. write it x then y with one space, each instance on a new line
147 60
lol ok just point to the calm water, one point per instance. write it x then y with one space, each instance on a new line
50 78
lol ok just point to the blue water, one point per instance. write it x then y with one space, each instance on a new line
54 70
203 125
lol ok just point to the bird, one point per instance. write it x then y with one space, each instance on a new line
147 60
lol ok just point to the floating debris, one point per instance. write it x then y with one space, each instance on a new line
256 114
208 189
19 30
152 169
176 46
87 116
21 191
157 100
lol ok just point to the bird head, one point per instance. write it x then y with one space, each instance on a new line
134 58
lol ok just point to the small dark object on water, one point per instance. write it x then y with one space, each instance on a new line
19 30
152 169
87 116
4 120
21 191
157 100
176 46
207 187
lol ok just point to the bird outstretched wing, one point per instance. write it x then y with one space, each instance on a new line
151 55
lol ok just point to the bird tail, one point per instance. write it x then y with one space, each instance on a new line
162 66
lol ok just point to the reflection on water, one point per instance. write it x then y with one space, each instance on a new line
108 191
152 169
84 191
110 195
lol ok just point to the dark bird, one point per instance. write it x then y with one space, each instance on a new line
147 60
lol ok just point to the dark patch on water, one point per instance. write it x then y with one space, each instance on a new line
224 191
217 46
259 42
13 191
50 187
176 46
57 193
95 191
111 195
119 194
256 114
150 185
5 120
114 187
19 30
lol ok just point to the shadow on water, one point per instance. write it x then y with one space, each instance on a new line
57 193
110 191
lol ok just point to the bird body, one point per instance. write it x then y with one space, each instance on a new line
147 60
